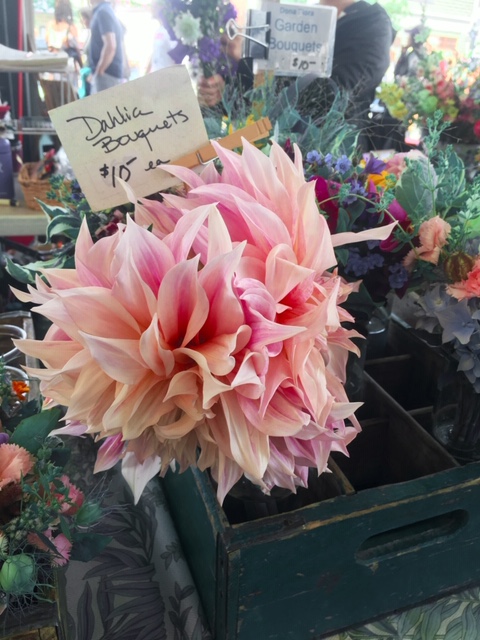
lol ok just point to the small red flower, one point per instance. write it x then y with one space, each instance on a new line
476 128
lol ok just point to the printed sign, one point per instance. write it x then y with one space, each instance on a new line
128 132
301 39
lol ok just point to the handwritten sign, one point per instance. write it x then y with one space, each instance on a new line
129 132
301 39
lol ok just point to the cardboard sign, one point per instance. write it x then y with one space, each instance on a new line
301 39
128 132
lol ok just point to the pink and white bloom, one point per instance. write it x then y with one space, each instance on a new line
217 332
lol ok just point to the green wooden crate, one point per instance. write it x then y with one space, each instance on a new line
408 531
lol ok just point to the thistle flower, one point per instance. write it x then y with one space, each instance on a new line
187 28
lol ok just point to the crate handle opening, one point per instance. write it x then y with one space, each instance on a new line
411 537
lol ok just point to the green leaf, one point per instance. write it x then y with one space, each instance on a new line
52 211
432 618
86 546
415 190
407 620
88 514
63 226
32 432
65 529
454 630
451 183
464 627
24 274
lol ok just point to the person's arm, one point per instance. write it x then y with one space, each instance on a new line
107 53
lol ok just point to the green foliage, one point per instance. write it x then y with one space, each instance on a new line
31 432
88 545
311 116
416 189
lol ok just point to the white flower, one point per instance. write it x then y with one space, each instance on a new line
187 28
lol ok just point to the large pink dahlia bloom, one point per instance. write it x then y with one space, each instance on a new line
208 331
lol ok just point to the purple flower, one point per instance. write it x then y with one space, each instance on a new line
328 159
356 264
314 156
343 164
374 165
356 189
179 52
229 13
4 437
398 276
208 50
457 322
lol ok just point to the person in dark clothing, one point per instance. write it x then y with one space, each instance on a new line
412 54
361 56
105 53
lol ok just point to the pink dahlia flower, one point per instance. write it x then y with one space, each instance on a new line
214 339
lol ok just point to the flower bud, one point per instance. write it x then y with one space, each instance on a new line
17 575
458 266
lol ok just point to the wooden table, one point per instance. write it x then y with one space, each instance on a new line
20 221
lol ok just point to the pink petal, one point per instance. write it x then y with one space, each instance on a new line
138 475
182 304
109 453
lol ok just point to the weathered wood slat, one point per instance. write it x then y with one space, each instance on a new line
390 542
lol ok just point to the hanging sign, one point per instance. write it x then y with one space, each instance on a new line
129 132
301 39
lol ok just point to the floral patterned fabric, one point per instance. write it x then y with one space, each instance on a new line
140 587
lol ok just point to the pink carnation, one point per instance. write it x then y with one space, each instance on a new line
62 545
15 462
433 235
217 331
468 288
73 500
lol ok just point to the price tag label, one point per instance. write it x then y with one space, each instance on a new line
129 132
301 39
304 63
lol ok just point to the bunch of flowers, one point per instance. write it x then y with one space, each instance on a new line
418 97
199 26
449 302
44 519
436 210
214 329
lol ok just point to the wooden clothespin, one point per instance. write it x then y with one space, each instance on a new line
252 133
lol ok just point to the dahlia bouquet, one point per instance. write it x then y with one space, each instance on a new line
213 336
44 519
198 25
